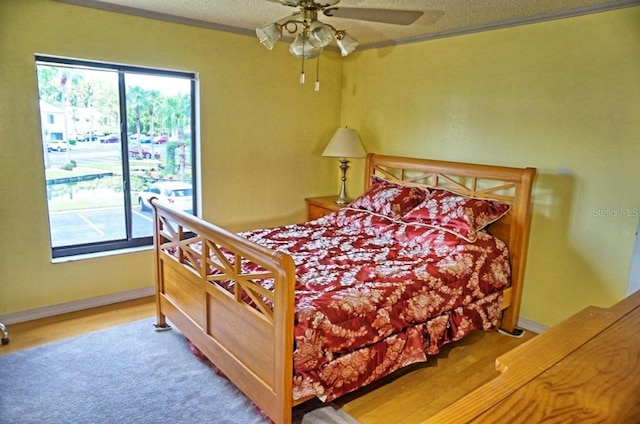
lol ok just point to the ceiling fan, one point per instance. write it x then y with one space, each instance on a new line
313 36
317 34
389 16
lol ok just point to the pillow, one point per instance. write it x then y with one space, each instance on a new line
388 198
458 214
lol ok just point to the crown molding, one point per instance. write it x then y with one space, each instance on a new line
570 13
603 7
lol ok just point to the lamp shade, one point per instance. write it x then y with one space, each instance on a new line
269 34
345 143
346 43
301 48
320 35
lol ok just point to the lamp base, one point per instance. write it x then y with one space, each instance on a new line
342 201
342 198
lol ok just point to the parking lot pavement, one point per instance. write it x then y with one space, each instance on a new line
96 225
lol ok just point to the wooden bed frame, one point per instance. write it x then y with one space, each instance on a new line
253 345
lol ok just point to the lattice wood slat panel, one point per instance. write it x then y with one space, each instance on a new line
220 268
466 185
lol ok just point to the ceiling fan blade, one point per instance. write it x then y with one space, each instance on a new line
291 3
388 16
297 3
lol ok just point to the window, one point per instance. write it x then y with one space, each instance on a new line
112 137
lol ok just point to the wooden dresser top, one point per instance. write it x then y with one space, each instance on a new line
585 369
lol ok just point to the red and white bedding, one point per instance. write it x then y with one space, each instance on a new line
387 281
375 293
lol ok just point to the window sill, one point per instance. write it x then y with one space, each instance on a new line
97 255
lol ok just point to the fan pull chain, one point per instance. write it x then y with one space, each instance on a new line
302 73
317 86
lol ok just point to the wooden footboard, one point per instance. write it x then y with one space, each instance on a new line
252 344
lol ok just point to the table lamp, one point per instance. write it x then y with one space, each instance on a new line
344 144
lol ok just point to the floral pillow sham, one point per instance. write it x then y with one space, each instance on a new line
458 214
389 199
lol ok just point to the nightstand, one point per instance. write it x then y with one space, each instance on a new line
320 206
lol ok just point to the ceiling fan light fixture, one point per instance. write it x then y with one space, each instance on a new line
269 34
320 35
346 42
313 35
303 49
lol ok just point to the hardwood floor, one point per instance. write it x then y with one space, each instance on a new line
418 392
407 397
33 333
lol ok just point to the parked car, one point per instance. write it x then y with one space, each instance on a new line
57 146
143 153
143 138
88 137
160 139
176 193
113 138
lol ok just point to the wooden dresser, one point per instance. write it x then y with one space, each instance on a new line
318 207
584 370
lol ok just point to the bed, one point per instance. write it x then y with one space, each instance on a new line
431 251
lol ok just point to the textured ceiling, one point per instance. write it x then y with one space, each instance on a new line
441 17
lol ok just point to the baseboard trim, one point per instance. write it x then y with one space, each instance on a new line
78 305
534 327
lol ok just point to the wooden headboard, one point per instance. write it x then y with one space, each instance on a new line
509 185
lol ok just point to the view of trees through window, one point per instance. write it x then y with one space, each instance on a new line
113 136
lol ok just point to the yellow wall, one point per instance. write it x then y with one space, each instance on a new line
262 134
562 96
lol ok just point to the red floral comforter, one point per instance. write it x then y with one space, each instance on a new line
374 295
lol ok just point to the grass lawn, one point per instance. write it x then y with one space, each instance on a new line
57 173
78 191
66 198
101 168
